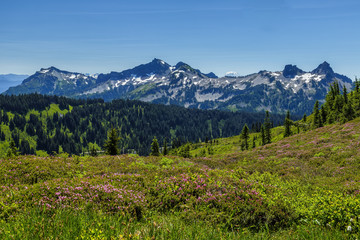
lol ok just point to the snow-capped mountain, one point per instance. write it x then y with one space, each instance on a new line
159 82
54 81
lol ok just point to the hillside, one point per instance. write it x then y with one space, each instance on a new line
50 124
158 82
303 186
298 181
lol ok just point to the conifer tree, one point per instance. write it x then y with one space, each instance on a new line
345 94
267 129
287 125
304 118
316 120
13 150
323 115
245 136
253 142
155 151
357 85
347 113
165 151
262 133
111 144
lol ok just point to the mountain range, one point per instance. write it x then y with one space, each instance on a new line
158 82
10 80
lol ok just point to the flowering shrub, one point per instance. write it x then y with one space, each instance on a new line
81 194
233 203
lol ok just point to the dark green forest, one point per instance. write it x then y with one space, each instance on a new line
38 123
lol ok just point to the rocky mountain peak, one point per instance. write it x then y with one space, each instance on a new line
323 69
291 71
181 66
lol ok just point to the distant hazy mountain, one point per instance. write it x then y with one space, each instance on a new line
10 80
158 82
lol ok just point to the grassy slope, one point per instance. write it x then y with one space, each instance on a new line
327 157
305 186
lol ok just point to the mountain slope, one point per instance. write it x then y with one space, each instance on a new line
158 82
47 122
53 81
10 80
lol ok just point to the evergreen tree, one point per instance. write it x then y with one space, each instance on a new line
347 113
262 133
245 136
12 125
165 151
304 118
155 151
253 142
13 150
345 94
357 85
323 115
287 125
267 127
316 120
111 144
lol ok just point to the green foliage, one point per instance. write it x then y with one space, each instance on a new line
184 151
13 150
263 136
166 162
46 122
245 136
316 118
267 128
41 153
302 187
93 149
155 150
111 144
287 124
165 150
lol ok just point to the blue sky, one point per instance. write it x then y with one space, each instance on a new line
245 36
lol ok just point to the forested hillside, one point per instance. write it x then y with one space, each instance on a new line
57 124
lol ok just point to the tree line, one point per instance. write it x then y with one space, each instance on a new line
79 126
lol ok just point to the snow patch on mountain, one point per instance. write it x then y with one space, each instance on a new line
207 96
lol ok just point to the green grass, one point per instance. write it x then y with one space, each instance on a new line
302 187
90 225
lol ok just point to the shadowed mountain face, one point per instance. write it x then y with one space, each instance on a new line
158 82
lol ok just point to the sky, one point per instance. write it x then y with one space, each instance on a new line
245 36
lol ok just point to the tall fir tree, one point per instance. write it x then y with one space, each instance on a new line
267 125
357 84
245 136
316 114
262 133
345 94
323 114
287 125
111 144
155 150
165 151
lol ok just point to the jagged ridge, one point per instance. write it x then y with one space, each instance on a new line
159 82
